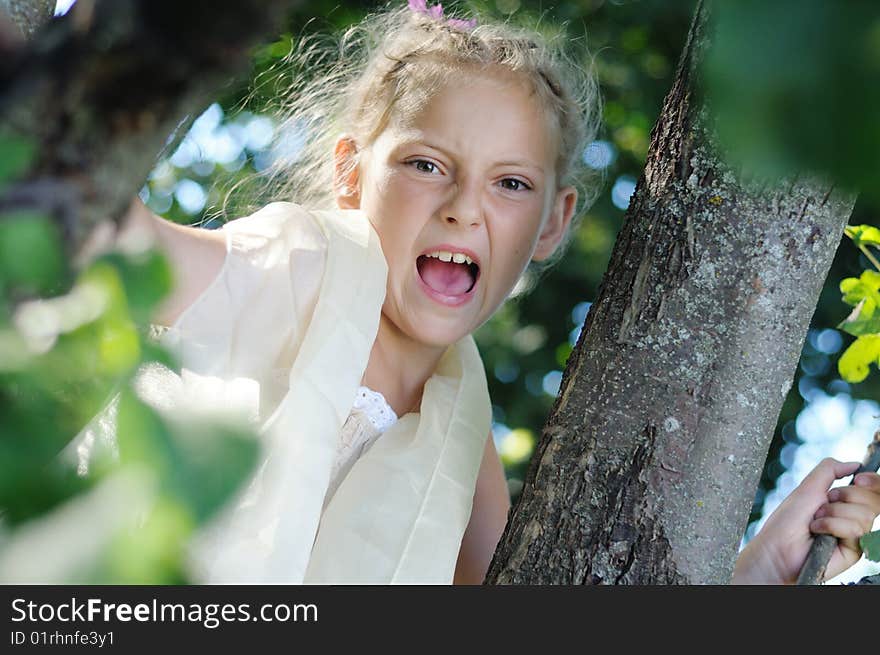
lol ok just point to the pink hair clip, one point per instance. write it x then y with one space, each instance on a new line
436 12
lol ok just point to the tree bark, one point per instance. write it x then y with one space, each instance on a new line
28 15
101 89
647 466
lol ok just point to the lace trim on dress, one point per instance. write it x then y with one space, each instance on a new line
375 407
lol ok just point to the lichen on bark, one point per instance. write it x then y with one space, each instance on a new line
28 15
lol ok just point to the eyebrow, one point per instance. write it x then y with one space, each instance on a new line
416 140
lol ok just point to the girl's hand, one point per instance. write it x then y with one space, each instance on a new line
776 554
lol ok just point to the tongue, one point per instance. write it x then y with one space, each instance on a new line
448 278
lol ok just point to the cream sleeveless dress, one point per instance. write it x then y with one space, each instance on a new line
281 339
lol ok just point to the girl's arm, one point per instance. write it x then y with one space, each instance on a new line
487 522
778 551
195 255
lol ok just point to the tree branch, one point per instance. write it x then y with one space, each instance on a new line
101 89
813 570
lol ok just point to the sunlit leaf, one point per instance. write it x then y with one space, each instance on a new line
870 544
865 287
105 275
863 235
864 351
119 347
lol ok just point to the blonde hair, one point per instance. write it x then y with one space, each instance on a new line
389 65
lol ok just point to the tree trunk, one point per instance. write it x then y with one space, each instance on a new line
28 15
101 89
647 466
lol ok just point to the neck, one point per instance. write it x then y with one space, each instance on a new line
399 367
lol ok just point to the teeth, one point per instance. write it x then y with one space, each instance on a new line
446 256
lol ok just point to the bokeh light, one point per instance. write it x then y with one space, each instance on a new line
578 316
551 383
191 196
506 372
516 446
599 155
622 191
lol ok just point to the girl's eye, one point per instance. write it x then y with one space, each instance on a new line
423 165
513 184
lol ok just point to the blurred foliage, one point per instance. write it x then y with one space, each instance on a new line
17 156
69 344
796 85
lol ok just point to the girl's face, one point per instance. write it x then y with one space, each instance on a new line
471 175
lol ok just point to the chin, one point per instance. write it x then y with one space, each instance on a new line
436 337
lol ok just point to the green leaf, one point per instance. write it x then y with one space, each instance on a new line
861 326
16 155
42 491
863 235
154 352
858 325
146 278
866 287
870 544
31 255
199 464
30 437
216 460
151 554
853 364
563 352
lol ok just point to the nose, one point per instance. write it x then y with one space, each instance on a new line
464 205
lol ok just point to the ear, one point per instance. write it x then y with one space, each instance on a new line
346 182
557 223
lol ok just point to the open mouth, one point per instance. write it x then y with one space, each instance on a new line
447 278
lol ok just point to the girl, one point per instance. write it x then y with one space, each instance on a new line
344 333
